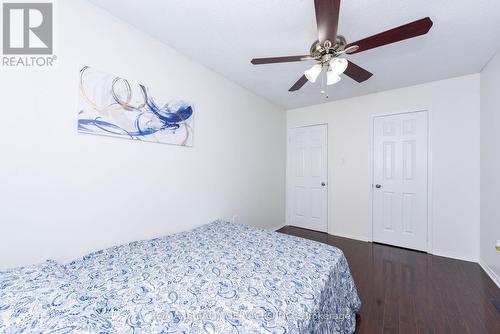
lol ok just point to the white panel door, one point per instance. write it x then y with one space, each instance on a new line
308 178
400 155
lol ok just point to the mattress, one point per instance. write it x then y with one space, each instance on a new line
219 278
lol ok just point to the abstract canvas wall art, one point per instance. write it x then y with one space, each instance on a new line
112 106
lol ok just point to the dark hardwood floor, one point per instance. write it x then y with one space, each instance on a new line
407 292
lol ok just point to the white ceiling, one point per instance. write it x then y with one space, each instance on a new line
225 35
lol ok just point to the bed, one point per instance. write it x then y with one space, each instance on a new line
218 278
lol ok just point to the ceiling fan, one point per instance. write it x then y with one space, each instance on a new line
330 46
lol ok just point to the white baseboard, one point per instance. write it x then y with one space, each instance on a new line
276 227
490 273
451 255
353 237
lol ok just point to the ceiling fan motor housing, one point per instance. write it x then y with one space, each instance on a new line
318 51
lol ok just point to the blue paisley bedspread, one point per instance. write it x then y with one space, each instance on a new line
219 278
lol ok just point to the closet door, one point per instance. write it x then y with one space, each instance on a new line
308 189
400 155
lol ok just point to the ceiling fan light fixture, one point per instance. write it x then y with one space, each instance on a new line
313 73
330 46
338 65
332 78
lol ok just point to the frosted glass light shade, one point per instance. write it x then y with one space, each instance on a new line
338 65
332 78
312 74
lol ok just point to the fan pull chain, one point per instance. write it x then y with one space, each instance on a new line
324 91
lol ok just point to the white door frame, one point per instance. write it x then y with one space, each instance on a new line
287 173
430 249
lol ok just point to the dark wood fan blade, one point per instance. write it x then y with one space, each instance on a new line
357 73
273 60
298 85
410 30
327 19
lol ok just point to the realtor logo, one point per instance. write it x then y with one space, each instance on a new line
28 29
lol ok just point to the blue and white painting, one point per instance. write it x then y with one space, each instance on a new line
112 106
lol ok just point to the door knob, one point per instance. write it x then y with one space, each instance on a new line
323 184
378 186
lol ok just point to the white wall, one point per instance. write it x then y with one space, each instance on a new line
490 167
453 107
64 194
